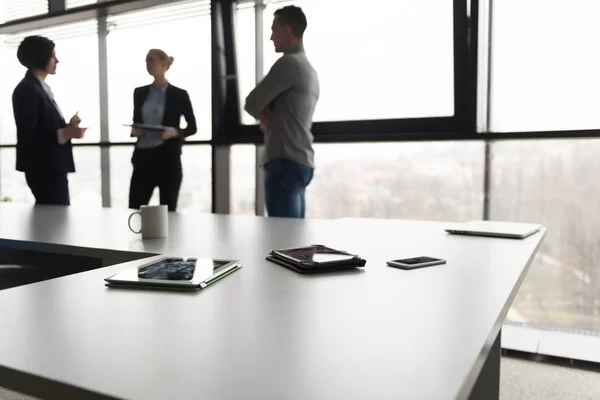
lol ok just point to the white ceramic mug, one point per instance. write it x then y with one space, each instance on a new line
155 222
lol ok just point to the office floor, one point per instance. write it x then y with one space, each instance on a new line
8 395
521 379
529 380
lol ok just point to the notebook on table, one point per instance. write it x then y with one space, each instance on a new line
512 230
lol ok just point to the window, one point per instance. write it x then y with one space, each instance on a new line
196 188
11 10
84 185
245 47
12 182
392 59
12 73
545 76
243 179
553 182
171 28
427 181
120 177
75 85
80 3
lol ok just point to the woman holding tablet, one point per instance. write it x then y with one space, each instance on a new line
157 112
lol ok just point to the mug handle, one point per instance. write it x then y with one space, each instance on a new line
129 222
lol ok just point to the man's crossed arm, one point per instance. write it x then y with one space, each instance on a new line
280 78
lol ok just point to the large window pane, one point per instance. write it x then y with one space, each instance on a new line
80 3
381 60
545 72
12 182
553 183
196 188
84 185
75 85
245 47
12 73
428 181
120 177
11 10
243 179
182 31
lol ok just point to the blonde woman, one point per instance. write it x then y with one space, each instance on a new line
157 155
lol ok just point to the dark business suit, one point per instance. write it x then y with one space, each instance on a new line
161 166
44 160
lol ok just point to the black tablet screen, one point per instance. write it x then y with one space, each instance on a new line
169 269
316 254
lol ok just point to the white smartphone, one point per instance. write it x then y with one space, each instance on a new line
415 262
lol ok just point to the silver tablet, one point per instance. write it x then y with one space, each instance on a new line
175 272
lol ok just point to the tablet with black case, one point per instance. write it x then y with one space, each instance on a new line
315 259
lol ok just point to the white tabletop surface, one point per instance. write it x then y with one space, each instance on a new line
264 332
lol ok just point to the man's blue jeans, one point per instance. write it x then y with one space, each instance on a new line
285 187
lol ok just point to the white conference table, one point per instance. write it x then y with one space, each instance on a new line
264 332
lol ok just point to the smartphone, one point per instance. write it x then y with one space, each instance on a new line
415 262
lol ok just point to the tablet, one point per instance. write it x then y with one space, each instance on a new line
146 127
171 272
316 256
318 269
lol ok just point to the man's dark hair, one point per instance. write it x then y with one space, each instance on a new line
35 52
294 17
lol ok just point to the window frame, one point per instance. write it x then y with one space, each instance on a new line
429 128
471 36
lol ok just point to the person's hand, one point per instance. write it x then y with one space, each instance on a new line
168 132
137 132
73 132
75 120
264 117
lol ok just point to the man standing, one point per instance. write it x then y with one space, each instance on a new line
284 102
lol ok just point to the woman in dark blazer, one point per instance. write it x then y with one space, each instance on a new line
44 150
157 155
